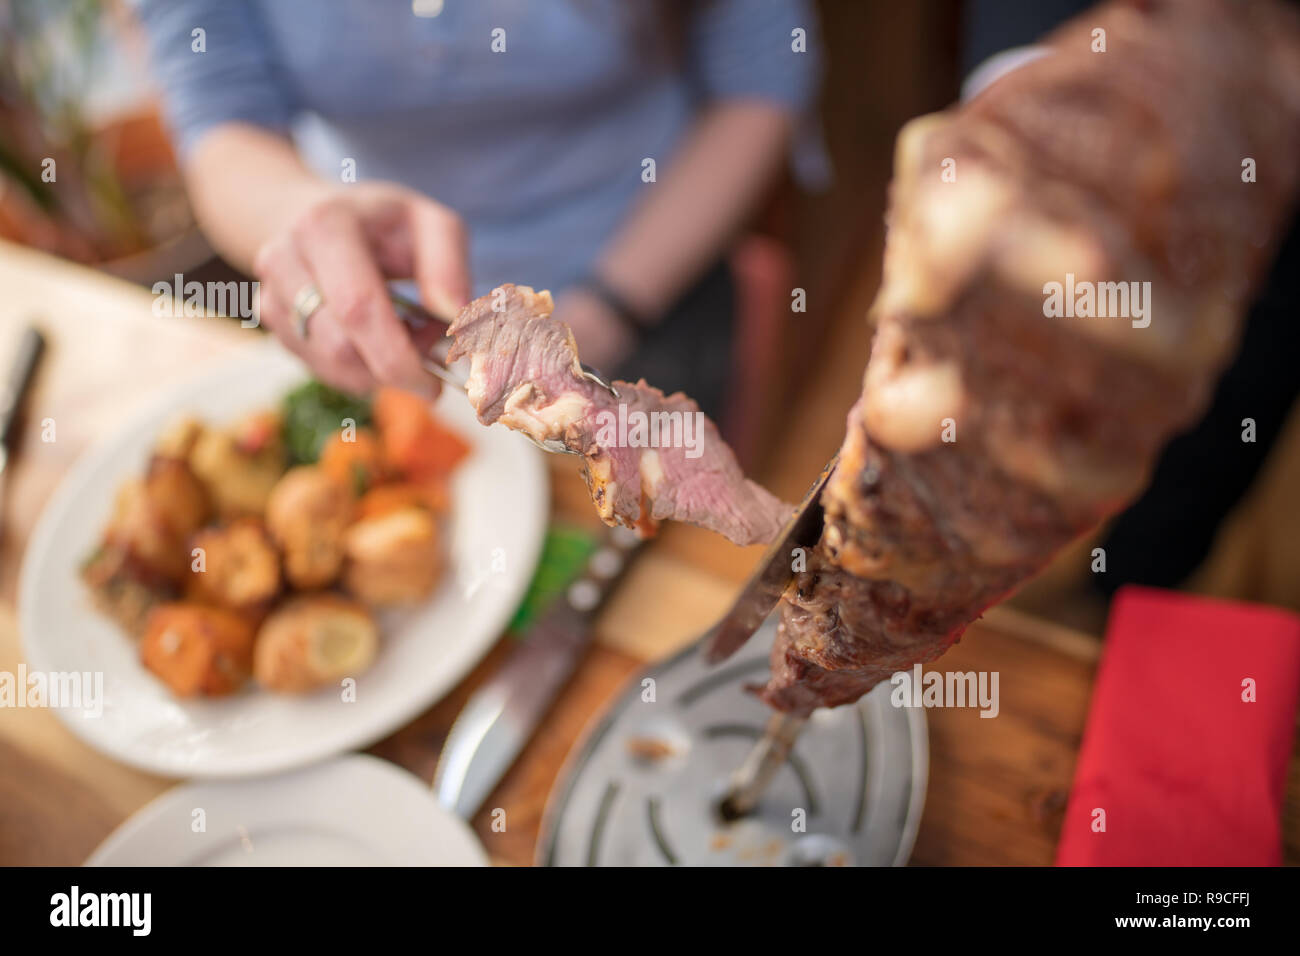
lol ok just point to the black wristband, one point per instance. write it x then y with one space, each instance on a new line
632 320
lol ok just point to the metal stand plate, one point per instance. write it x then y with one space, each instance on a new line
642 787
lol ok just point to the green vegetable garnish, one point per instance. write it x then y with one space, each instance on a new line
312 413
564 553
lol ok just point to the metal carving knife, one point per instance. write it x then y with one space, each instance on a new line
501 715
775 572
12 389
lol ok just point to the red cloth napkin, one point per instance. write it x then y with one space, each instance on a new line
1187 772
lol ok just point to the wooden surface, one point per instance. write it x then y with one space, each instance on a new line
997 787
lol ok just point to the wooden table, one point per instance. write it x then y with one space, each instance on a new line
997 787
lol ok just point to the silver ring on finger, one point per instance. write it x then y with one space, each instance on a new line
305 304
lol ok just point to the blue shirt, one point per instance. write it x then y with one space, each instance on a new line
540 148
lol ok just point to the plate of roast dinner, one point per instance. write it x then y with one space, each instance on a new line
258 572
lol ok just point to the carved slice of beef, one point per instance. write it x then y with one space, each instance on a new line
992 428
647 456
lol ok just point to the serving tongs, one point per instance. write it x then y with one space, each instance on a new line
435 361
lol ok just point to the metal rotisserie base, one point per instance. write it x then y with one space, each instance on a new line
643 786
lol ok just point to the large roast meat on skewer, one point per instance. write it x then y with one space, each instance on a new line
1068 259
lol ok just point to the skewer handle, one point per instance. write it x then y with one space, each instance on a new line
752 778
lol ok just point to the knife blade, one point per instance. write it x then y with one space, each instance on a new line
13 387
500 717
774 573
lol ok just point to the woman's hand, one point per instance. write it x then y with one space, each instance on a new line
344 245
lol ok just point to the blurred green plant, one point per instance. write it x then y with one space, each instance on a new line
50 51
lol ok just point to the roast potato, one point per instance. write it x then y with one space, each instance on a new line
393 558
312 640
122 589
197 650
153 517
307 514
240 567
179 438
239 465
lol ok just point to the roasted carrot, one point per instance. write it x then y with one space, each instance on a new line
358 464
431 495
415 444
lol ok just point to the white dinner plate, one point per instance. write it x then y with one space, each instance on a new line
352 811
500 506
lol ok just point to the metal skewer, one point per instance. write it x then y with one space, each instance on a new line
859 772
417 317
754 776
